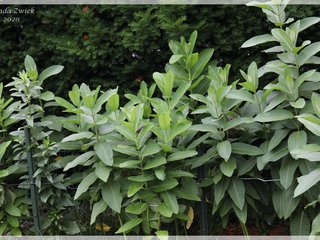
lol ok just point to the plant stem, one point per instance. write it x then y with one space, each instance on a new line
120 221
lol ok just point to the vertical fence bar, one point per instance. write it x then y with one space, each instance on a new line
33 188
203 205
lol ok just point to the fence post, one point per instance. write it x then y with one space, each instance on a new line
203 204
33 188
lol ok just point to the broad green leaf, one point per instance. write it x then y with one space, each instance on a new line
204 58
13 221
136 208
3 148
104 152
4 173
245 149
277 138
220 189
134 188
47 96
300 224
181 155
160 173
167 184
241 214
224 150
304 24
150 149
308 52
258 40
130 164
236 191
78 136
126 132
175 58
164 121
50 71
315 99
284 203
178 129
242 95
12 210
85 184
186 194
129 225
31 68
103 172
170 200
272 156
227 168
236 122
307 181
112 196
182 89
311 122
246 166
287 170
3 228
310 152
98 208
165 210
113 102
79 160
296 140
274 115
283 38
142 178
16 232
62 102
300 103
315 229
153 163
104 98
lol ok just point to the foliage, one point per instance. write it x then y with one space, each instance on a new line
258 138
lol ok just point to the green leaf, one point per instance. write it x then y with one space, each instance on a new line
103 172
272 156
236 191
296 140
300 224
283 38
175 58
112 196
300 103
236 122
85 184
181 155
12 210
62 102
311 122
315 99
277 138
4 173
160 173
165 210
98 208
274 115
308 52
129 225
227 168
13 221
258 40
142 178
16 232
310 152
245 149
164 121
220 189
224 150
134 188
284 203
50 71
3 148
136 208
307 181
104 152
153 163
3 228
241 214
31 68
47 96
178 129
287 170
315 229
79 160
78 136
304 24
204 58
150 149
126 132
167 184
170 200
182 89
242 95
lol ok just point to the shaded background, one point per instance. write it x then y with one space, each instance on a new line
123 45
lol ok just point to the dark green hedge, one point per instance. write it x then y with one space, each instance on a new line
121 45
